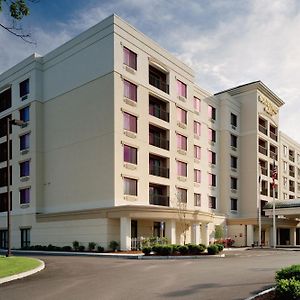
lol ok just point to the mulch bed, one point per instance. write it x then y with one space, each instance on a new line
268 296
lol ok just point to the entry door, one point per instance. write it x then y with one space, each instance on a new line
284 236
134 228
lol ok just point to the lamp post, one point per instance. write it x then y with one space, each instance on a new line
8 123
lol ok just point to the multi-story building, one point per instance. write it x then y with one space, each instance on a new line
120 143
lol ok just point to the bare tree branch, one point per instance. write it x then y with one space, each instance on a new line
14 30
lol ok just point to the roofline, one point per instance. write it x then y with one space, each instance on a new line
254 85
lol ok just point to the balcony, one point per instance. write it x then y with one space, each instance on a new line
273 136
292 158
262 150
292 189
158 195
264 192
158 166
264 171
158 79
158 137
263 129
292 172
158 109
262 126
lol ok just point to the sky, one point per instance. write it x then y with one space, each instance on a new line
226 42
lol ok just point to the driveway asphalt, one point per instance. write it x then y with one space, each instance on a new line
237 276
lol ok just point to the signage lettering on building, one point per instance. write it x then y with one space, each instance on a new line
269 108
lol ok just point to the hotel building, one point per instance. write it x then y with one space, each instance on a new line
122 143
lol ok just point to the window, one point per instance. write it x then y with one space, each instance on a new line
24 88
212 202
233 183
211 112
130 186
25 196
130 154
197 199
233 204
24 114
130 122
181 168
212 157
5 100
181 89
182 195
3 239
298 158
211 135
212 179
233 162
197 152
130 90
130 58
181 115
197 176
285 196
233 120
285 150
233 141
25 141
25 168
197 104
3 151
3 202
3 126
3 176
197 128
181 142
25 237
284 166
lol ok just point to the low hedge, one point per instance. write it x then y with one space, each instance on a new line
292 271
213 249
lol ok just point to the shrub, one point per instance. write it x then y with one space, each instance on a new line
220 247
287 273
67 248
194 249
229 242
147 250
81 248
166 250
175 248
183 249
100 249
202 247
91 246
113 245
288 289
76 245
212 249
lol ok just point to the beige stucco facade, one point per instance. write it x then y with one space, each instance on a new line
77 174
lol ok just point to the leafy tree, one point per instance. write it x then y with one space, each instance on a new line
16 10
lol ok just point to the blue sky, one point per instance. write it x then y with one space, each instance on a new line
226 42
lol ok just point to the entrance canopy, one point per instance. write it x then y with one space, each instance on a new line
287 208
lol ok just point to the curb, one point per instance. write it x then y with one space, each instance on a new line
24 274
181 257
261 293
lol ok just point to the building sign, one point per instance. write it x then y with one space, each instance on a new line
270 108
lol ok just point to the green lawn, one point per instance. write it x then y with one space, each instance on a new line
14 265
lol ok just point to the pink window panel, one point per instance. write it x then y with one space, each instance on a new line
181 115
197 152
197 176
210 179
130 90
130 122
197 128
209 111
210 134
210 157
130 154
197 104
181 169
181 89
181 142
130 58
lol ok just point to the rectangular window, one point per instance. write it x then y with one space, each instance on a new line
181 89
233 162
197 152
197 128
197 104
3 202
24 114
25 141
24 88
130 186
130 154
233 205
5 100
233 141
3 239
3 126
212 157
212 179
233 183
181 115
130 122
25 168
197 199
130 90
233 120
197 176
25 196
181 168
130 58
212 202
181 142
25 237
211 111
182 195
212 135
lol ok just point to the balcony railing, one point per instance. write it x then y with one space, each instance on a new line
292 189
159 113
158 83
263 129
292 158
292 173
273 136
159 171
273 155
264 171
264 192
262 150
159 142
162 200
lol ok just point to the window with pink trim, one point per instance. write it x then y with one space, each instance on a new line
181 89
130 58
197 104
130 122
197 152
211 111
130 154
197 128
211 157
181 142
181 168
211 135
182 195
130 186
197 176
181 115
212 180
130 90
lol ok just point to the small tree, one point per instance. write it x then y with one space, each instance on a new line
219 233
